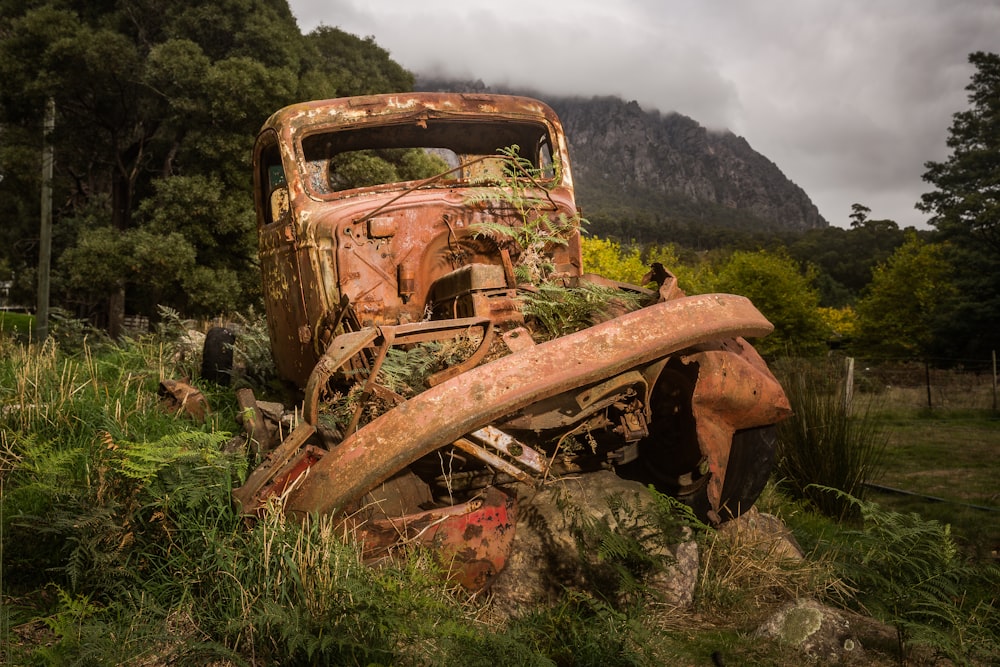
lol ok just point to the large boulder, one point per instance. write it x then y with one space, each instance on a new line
558 546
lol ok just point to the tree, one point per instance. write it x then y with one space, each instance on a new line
158 104
909 297
783 293
965 210
966 203
355 66
845 257
859 214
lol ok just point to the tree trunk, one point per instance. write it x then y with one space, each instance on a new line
122 181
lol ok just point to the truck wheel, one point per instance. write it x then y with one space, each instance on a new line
751 460
217 356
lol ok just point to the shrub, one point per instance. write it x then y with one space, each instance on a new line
829 440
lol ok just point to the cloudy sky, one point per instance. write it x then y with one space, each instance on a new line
848 97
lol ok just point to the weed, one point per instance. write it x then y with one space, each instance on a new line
561 310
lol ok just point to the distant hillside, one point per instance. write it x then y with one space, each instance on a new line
650 176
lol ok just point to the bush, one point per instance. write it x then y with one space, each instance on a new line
908 572
828 441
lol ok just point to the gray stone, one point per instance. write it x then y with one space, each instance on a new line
818 631
765 533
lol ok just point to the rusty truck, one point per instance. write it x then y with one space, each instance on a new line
437 223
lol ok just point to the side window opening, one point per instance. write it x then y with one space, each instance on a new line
273 184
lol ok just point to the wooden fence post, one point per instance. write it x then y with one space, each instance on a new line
927 375
849 384
994 380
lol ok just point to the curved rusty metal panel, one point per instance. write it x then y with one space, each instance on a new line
459 406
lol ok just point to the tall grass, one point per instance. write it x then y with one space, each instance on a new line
120 541
829 440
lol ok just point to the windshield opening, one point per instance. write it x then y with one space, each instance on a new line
376 155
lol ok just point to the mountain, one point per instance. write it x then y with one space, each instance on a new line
653 176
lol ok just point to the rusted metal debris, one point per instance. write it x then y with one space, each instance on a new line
179 397
362 259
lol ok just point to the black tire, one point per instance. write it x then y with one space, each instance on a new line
217 356
751 460
670 457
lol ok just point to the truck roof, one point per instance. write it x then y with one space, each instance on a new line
376 108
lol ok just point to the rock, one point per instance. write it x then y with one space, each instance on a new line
765 533
546 556
818 631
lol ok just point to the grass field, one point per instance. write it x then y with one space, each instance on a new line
949 453
19 324
120 546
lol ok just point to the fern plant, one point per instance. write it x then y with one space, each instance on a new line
909 573
621 550
561 310
534 229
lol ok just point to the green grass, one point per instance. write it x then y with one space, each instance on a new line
120 545
952 456
18 324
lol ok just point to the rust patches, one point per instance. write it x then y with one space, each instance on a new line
354 265
180 397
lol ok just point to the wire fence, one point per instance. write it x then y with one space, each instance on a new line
935 384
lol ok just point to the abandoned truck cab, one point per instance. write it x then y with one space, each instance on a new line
346 232
431 223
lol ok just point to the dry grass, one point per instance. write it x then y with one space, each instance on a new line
747 568
906 388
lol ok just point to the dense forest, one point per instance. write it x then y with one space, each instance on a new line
156 105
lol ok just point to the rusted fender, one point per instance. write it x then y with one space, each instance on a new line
735 390
463 404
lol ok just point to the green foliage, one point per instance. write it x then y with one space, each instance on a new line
120 518
609 259
354 66
562 310
908 572
784 295
827 440
92 503
534 230
968 331
162 163
965 209
358 169
965 204
845 258
620 551
580 630
908 299
16 324
88 460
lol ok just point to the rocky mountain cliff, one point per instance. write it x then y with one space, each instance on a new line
637 171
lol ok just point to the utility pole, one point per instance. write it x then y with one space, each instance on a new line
41 330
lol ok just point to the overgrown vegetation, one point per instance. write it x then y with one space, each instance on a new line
909 572
120 545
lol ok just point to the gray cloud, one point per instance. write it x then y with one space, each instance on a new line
848 98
